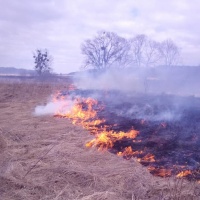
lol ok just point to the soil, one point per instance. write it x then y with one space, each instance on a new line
43 157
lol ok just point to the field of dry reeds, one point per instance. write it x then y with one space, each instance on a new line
43 157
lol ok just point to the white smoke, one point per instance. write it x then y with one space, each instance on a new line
60 106
177 81
109 80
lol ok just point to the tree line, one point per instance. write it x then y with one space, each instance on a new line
108 49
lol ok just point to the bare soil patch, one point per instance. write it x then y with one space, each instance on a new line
43 157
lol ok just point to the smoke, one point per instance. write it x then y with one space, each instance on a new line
149 113
51 108
120 80
156 94
142 93
182 81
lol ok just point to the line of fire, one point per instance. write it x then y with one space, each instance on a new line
158 133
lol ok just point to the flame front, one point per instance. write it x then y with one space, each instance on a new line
106 139
81 112
128 152
84 112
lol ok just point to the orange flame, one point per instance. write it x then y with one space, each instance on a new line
160 171
106 139
147 158
83 113
128 152
184 173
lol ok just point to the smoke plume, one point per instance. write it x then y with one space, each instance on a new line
52 107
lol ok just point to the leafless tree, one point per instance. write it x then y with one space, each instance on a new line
144 51
151 53
108 49
105 50
137 45
169 52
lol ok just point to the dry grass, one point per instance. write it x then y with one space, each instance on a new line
45 158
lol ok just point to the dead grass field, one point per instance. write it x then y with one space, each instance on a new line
42 157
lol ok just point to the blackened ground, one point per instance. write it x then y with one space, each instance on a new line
169 127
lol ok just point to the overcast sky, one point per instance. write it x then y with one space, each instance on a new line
62 25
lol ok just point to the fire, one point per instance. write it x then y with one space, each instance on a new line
102 141
148 158
106 139
163 172
84 112
78 111
184 173
160 171
81 112
128 152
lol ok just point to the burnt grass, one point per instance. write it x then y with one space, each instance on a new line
168 125
44 157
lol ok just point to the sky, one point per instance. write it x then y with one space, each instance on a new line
61 26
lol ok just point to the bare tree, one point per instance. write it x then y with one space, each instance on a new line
151 53
105 50
169 52
108 49
144 51
137 45
42 61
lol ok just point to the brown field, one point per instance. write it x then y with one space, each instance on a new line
43 157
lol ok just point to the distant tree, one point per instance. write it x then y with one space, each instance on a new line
105 50
169 52
144 51
137 45
151 54
42 61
